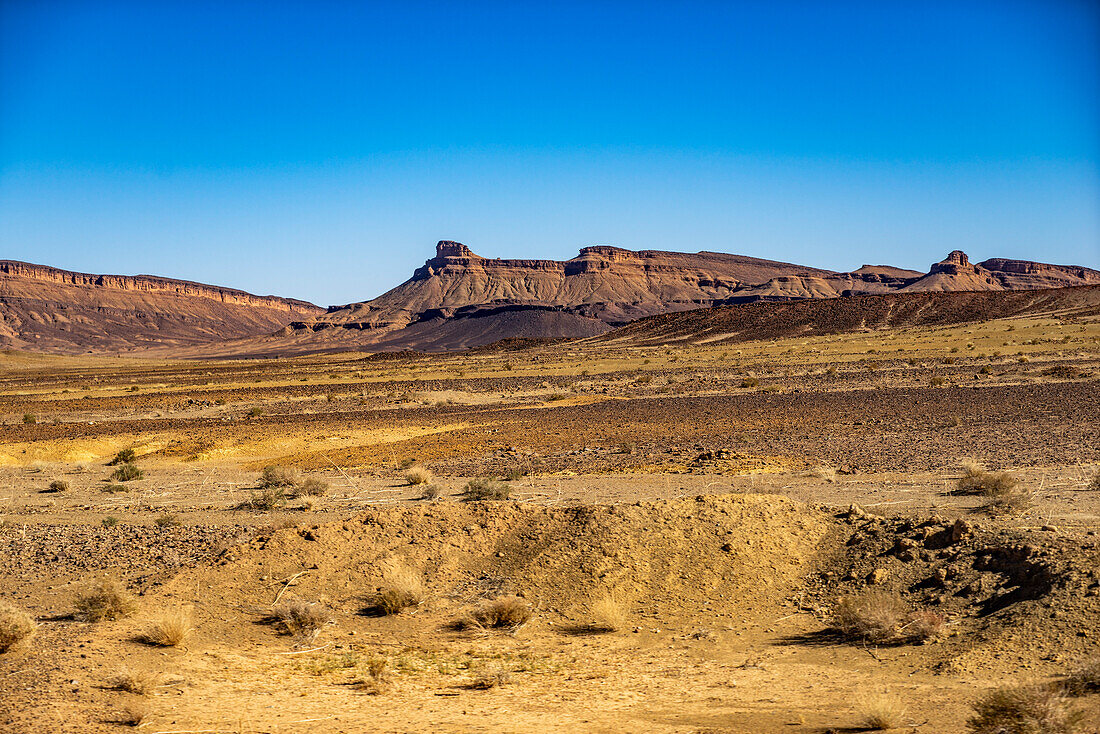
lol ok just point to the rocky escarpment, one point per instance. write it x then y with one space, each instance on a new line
52 310
471 299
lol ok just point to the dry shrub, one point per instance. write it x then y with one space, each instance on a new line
431 492
606 614
490 676
127 472
1003 491
874 615
1026 709
132 716
514 474
418 475
400 590
138 682
378 678
278 476
265 500
170 630
58 485
486 489
881 712
300 618
103 598
1094 485
167 520
1083 679
923 624
504 612
1012 502
15 627
126 456
827 473
312 488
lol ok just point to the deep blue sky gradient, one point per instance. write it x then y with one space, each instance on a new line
319 149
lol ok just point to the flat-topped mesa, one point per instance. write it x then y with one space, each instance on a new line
1027 267
956 262
152 284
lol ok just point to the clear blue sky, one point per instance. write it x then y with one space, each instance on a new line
319 149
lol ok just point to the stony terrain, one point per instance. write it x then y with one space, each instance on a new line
724 497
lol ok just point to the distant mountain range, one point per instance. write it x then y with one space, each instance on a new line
456 300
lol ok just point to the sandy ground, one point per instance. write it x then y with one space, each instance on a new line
728 597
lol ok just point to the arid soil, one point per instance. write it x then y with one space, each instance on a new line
724 496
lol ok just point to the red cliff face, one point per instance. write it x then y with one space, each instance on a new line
54 310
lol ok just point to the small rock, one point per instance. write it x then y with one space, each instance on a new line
878 576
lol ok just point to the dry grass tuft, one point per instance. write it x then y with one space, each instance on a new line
491 676
874 615
504 612
606 614
127 472
58 485
278 476
378 679
103 598
132 716
1027 709
126 456
15 626
400 590
300 618
1003 491
138 682
827 473
486 489
312 488
418 475
270 498
431 492
1083 679
170 630
881 712
1094 485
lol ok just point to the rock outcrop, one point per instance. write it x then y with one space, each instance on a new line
53 310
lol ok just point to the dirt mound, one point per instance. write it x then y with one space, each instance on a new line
753 321
724 554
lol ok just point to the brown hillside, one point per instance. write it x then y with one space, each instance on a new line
51 310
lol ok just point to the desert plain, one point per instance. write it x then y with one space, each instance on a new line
575 535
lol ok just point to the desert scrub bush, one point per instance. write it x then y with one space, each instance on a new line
874 615
378 678
1094 485
431 492
109 522
167 520
127 472
15 626
299 618
400 590
29 419
605 614
255 412
58 485
278 476
131 680
1009 502
750 382
486 489
103 598
1024 709
312 488
265 500
171 629
1083 679
418 475
490 675
877 615
115 488
976 480
514 474
881 712
504 612
126 456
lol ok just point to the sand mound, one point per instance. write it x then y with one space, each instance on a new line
735 553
